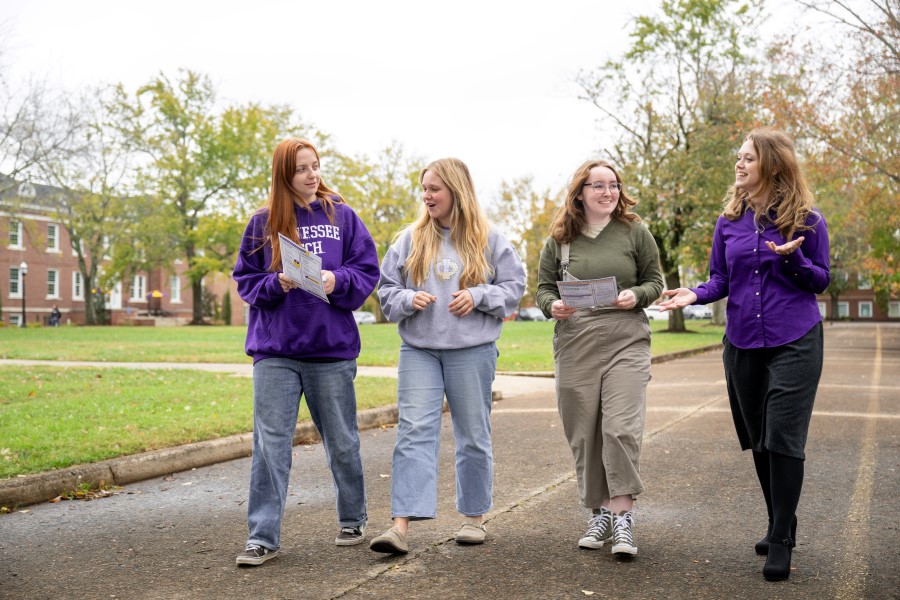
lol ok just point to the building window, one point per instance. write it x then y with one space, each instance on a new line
77 286
823 310
52 237
863 281
52 284
865 310
894 310
175 285
138 289
15 320
15 283
843 310
15 234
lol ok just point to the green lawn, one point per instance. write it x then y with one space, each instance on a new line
524 345
53 417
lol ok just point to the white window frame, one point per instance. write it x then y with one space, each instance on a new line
823 309
138 290
15 319
77 286
894 309
17 244
15 281
175 289
860 312
53 238
114 297
52 284
843 310
863 281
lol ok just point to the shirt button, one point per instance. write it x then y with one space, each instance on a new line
754 249
757 293
757 316
756 271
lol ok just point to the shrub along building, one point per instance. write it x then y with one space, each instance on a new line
39 269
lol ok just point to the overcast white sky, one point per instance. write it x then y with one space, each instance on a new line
490 82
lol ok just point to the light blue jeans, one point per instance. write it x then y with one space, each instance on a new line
328 388
465 375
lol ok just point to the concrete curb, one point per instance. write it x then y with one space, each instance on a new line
40 487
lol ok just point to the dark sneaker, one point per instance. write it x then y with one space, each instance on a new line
351 536
623 534
600 529
254 555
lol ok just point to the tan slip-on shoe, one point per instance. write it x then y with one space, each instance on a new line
390 542
470 533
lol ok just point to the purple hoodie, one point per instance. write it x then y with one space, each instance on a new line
296 324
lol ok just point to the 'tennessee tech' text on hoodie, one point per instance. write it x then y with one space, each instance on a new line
296 324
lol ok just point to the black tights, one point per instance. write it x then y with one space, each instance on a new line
781 480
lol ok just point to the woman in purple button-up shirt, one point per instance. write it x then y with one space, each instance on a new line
770 257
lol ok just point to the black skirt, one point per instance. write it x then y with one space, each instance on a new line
772 391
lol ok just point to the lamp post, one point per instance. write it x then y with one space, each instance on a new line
23 270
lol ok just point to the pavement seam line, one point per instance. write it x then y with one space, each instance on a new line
686 416
520 502
854 569
488 517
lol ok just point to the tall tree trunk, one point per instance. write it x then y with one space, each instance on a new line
197 291
718 311
676 317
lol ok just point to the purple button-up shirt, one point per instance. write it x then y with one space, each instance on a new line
771 298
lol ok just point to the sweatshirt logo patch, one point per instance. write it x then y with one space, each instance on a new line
446 268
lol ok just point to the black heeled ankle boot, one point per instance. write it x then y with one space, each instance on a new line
778 562
762 546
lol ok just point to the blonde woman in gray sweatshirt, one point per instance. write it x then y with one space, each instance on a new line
448 280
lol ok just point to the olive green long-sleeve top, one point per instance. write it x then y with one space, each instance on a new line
627 252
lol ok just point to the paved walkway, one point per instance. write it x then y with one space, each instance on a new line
176 536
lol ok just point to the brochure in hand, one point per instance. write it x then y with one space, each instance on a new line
302 267
588 293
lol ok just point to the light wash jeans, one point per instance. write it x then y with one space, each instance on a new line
328 388
465 375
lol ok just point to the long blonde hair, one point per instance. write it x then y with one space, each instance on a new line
282 196
789 197
570 219
469 228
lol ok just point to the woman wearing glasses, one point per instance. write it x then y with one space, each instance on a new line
770 257
602 353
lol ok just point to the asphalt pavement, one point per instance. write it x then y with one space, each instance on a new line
176 535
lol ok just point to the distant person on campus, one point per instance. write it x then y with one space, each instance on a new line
302 345
602 354
449 280
770 258
55 316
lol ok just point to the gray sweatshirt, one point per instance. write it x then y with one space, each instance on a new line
436 327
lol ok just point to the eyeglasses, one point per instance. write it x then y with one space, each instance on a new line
614 188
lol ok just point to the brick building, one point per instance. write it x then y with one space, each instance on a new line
857 302
39 270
